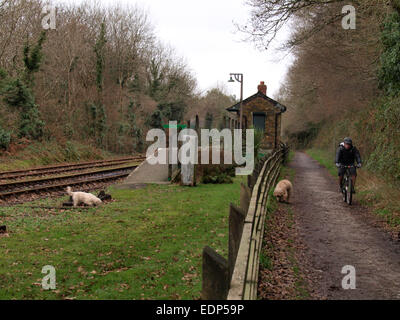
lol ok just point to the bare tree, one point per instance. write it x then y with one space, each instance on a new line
268 17
334 73
65 85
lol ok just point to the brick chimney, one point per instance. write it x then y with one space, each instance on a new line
262 88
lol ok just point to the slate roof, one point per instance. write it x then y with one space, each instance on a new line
259 94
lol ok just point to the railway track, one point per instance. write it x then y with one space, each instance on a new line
48 170
14 191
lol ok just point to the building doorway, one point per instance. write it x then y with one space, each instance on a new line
259 120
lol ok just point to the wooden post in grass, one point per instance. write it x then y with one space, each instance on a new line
215 284
236 222
249 181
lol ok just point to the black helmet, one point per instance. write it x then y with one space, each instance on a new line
348 141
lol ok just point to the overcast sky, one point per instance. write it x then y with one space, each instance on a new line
203 32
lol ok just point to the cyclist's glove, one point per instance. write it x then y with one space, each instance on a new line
359 165
338 165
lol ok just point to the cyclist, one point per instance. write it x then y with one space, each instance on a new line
346 155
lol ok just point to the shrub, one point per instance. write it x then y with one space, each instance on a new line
71 152
5 138
217 174
31 125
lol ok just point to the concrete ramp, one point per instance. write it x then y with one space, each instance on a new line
147 173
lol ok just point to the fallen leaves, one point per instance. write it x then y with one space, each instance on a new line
145 258
122 286
188 277
280 277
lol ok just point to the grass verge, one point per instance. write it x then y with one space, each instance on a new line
147 244
35 154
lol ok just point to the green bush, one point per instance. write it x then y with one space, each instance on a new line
71 152
5 138
31 124
69 130
218 174
17 94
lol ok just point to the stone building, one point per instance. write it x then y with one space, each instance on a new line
263 113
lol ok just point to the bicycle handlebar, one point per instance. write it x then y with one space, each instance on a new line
350 166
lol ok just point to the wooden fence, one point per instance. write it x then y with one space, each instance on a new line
237 277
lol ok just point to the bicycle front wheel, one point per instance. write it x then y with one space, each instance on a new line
349 191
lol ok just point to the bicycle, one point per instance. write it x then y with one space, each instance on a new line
347 185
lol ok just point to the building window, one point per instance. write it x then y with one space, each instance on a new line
259 120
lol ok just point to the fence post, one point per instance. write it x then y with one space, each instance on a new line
215 284
236 222
245 196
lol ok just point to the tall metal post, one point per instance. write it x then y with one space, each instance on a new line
241 103
239 78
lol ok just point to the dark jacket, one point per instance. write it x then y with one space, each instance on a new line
347 157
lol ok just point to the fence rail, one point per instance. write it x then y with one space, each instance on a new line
237 277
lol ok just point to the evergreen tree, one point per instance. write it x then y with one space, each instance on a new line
18 92
32 59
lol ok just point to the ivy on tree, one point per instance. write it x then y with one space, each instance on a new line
18 93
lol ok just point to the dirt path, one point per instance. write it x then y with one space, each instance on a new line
337 235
